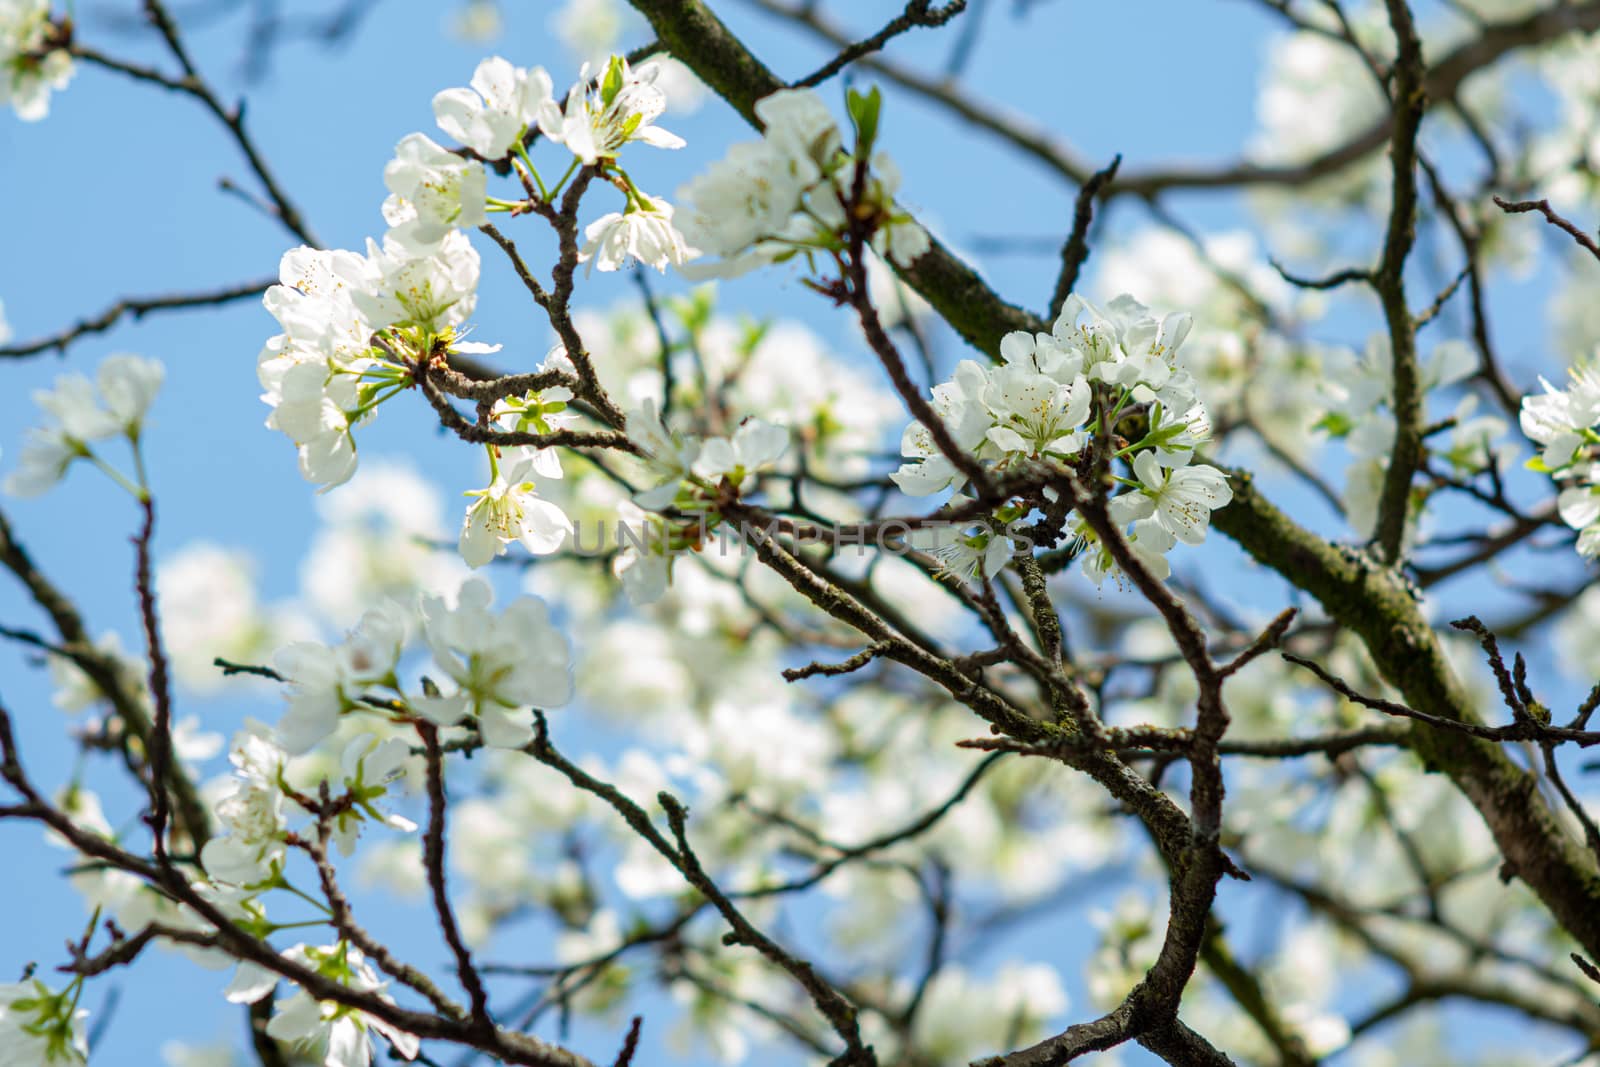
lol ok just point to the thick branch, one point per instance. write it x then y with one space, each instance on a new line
1381 609
1410 101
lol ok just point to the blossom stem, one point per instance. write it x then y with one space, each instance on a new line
533 172
562 181
284 883
377 399
635 196
137 492
139 468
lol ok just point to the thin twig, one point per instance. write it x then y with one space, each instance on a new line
917 13
1076 250
138 307
1543 207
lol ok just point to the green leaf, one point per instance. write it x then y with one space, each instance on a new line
753 333
611 85
864 109
1336 423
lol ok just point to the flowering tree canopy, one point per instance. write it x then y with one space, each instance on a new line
1189 660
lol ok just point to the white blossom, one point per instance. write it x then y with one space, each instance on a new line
251 845
313 409
1562 420
1180 500
738 201
754 445
501 665
331 1034
799 126
644 566
1148 540
253 818
128 385
430 289
32 61
324 681
312 371
643 232
959 405
1034 414
622 107
670 456
444 190
510 509
974 551
503 103
81 412
369 765
772 199
1579 507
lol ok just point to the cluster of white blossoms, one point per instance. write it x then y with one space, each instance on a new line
1249 351
345 318
623 107
329 1033
694 675
784 195
1566 423
354 326
33 57
495 117
81 413
268 797
500 666
1046 401
840 411
253 819
688 473
695 681
1359 394
820 414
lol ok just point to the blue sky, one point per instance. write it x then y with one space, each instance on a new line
116 194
